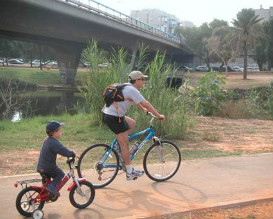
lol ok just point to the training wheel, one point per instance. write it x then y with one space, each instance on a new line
38 214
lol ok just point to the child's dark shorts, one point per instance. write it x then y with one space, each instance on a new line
113 123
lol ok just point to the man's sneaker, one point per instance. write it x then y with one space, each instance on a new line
134 175
139 172
52 190
131 176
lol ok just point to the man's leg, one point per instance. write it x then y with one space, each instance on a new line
124 145
131 124
123 141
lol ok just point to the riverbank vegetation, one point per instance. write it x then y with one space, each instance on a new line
35 76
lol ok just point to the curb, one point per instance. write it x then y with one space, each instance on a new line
185 214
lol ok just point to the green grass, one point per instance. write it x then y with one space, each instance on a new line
210 136
79 132
34 75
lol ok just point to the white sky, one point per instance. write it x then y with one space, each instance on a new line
196 11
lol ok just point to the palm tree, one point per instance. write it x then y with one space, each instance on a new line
245 31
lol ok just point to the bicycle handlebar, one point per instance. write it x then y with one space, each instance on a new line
152 119
151 114
70 160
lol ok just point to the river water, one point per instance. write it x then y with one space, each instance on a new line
45 103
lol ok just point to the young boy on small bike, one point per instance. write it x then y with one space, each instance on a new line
47 160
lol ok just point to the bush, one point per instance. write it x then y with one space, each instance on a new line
209 94
249 104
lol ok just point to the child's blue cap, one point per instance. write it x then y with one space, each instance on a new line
53 126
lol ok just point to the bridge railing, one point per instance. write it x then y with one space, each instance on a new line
111 13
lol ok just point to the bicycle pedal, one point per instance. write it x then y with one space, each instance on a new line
53 198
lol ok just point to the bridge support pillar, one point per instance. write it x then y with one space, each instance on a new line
133 59
68 57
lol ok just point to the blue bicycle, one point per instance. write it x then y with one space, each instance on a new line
100 163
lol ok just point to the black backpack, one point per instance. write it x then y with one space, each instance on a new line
113 93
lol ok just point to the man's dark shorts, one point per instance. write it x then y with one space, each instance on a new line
113 123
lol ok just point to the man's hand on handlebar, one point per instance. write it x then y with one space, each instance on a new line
161 117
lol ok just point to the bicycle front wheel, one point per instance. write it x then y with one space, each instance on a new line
82 197
162 161
93 166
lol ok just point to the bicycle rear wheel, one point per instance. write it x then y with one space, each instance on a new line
91 166
25 201
162 161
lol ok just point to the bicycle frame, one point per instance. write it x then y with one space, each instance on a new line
151 135
67 177
44 195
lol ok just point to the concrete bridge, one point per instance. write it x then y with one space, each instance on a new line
67 26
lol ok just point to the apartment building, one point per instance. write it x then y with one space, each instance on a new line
266 14
157 18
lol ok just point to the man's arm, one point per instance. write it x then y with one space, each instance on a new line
151 109
139 106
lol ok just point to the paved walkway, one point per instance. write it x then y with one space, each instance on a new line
198 184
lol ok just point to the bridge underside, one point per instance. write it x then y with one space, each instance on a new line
68 29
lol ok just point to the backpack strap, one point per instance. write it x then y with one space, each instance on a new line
115 102
116 106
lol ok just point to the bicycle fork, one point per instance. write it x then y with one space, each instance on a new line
159 149
76 182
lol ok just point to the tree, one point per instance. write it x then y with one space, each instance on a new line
268 29
221 44
260 52
216 23
245 32
9 49
196 39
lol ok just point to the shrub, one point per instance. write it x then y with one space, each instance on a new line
209 94
253 103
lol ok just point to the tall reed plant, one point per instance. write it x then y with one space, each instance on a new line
155 91
97 79
163 98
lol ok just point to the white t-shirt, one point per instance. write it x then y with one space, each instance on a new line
130 92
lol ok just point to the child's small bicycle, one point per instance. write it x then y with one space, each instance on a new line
31 199
100 163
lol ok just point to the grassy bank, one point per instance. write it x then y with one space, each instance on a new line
35 75
235 79
80 131
29 133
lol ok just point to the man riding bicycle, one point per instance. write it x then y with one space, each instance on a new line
123 125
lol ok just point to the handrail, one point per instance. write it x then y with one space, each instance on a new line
111 13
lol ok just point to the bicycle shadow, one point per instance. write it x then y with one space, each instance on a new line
78 214
151 200
180 192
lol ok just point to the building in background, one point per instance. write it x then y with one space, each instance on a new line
157 18
264 13
186 24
